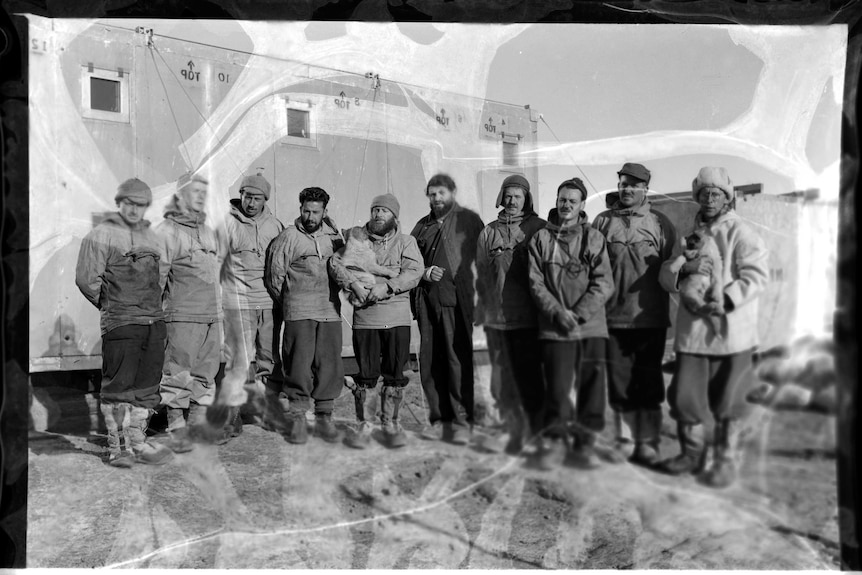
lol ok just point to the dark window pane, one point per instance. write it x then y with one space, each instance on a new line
510 154
104 95
297 123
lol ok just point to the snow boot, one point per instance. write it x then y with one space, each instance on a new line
583 453
550 453
297 429
114 414
145 452
325 429
178 433
390 403
361 436
647 438
691 457
722 472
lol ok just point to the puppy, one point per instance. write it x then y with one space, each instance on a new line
359 258
701 294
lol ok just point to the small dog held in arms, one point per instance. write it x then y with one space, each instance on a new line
359 258
701 294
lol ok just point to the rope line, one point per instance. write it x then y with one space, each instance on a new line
171 108
595 189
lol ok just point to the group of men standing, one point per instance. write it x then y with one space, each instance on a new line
566 306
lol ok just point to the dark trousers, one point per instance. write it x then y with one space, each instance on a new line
635 379
580 363
132 358
382 351
311 351
516 373
446 363
709 384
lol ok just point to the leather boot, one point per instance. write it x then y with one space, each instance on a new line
146 452
113 414
361 436
390 404
325 428
297 431
646 452
722 472
691 456
583 453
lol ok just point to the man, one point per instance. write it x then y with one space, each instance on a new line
296 276
381 321
118 272
193 308
252 323
443 307
713 369
509 311
638 241
571 280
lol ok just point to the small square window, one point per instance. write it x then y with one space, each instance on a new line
104 95
297 123
510 154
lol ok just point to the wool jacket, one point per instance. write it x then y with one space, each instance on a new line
242 274
570 269
745 273
194 256
296 272
502 267
119 272
639 240
397 252
460 229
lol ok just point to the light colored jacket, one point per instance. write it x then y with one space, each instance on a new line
194 255
570 269
639 240
242 273
745 274
502 270
119 272
296 272
395 251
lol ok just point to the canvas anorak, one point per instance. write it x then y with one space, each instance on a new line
121 271
397 252
570 269
296 272
639 240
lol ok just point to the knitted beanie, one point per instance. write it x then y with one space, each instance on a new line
135 190
387 201
256 182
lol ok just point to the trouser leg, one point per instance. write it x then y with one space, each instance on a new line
527 369
327 366
206 365
122 351
558 362
429 369
455 338
239 334
298 353
590 384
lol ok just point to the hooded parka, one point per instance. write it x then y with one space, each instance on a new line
502 268
120 271
745 263
194 254
570 269
296 272
242 274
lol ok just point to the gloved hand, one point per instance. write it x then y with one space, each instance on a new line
699 265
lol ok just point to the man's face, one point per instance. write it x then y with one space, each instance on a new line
194 194
311 215
712 201
514 199
632 191
569 204
251 202
382 221
440 198
132 212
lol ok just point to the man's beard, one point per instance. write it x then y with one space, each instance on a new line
381 228
311 226
442 211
